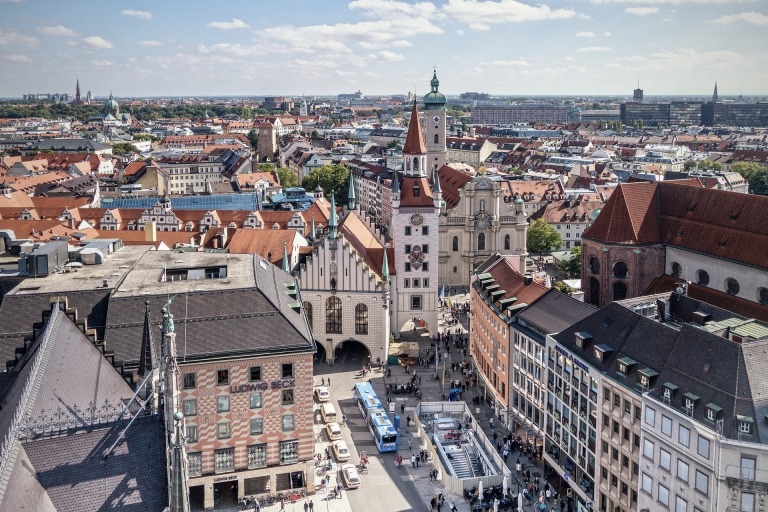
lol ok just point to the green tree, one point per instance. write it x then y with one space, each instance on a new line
689 164
124 148
253 138
563 288
572 266
542 237
758 182
747 169
332 178
516 171
287 177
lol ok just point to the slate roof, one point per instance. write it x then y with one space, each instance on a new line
235 317
554 311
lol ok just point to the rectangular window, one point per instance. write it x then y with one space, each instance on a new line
650 416
615 453
682 470
289 452
666 426
606 420
665 459
224 460
607 394
287 397
190 432
647 485
680 504
616 400
663 495
255 373
255 401
605 446
190 407
648 449
406 283
425 248
195 464
426 282
407 267
626 434
416 282
635 468
415 301
425 231
747 466
614 481
703 447
627 406
287 370
616 427
638 412
257 426
407 248
222 377
407 230
625 461
425 266
222 403
223 430
190 380
702 482
683 436
287 422
257 456
747 502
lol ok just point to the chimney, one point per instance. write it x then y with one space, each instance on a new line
215 242
150 231
527 279
71 223
662 309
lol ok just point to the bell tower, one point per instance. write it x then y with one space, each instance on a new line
434 126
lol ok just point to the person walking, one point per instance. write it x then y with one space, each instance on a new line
282 504
311 506
413 461
339 488
306 506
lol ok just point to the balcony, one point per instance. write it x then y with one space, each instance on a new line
749 480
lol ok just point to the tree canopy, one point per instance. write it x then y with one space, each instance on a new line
572 266
542 237
287 177
755 174
124 148
331 178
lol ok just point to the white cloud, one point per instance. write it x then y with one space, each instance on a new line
97 42
641 11
142 15
480 14
582 33
387 8
595 49
460 32
57 30
607 34
753 18
502 62
16 58
102 63
401 44
390 56
12 37
229 25
669 2
150 43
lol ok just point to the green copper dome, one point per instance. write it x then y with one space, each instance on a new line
434 100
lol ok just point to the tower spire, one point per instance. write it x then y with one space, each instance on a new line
385 267
414 141
179 490
332 220
313 232
351 197
714 96
147 357
286 265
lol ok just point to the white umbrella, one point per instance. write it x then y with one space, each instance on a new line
520 502
480 490
495 505
504 486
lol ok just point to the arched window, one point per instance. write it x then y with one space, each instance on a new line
677 269
702 277
619 291
594 291
416 163
482 205
620 270
333 315
455 243
361 319
437 139
594 265
506 242
481 242
308 311
732 286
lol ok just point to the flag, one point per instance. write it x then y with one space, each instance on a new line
449 301
442 292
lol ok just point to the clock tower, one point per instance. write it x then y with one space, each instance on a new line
415 223
434 126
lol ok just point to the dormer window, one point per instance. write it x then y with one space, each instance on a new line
416 191
690 401
601 351
625 364
645 376
745 424
581 339
669 390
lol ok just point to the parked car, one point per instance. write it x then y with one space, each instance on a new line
333 430
350 476
322 394
340 451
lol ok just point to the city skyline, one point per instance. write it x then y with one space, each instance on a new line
505 47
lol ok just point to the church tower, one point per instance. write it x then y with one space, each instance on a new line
434 126
415 224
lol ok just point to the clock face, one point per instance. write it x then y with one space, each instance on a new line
416 219
436 119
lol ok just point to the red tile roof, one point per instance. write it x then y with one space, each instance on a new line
407 197
451 181
414 141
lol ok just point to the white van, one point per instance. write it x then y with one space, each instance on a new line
328 412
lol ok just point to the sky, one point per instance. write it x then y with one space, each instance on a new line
380 47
